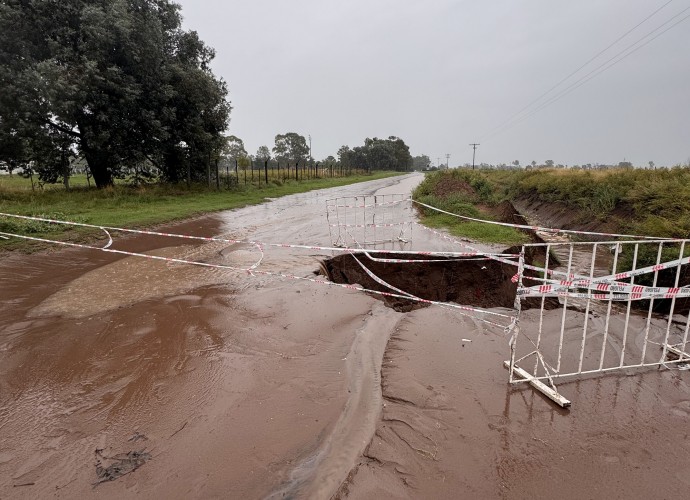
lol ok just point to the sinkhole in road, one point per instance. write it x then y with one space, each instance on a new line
479 282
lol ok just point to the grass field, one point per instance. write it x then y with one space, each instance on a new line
655 202
128 206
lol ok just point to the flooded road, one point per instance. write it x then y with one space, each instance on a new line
244 386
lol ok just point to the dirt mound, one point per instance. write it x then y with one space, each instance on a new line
451 185
560 215
506 212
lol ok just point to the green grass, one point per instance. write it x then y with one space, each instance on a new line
653 202
478 231
131 207
637 201
464 203
17 182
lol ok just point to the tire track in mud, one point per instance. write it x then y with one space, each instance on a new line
409 430
321 474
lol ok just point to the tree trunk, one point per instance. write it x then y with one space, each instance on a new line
100 167
65 171
208 171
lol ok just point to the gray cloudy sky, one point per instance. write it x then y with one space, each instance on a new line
444 73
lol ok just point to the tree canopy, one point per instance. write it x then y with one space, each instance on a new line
290 147
378 154
234 147
118 82
421 162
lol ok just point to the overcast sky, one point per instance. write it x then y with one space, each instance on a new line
442 74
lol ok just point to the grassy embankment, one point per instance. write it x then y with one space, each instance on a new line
464 193
128 206
648 202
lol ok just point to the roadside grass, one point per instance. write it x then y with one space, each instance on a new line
133 207
467 202
649 202
477 231
17 182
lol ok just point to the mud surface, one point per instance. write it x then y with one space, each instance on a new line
239 386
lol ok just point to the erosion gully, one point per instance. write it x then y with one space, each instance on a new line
259 387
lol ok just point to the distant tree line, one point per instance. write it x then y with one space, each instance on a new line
551 164
118 83
378 154
292 149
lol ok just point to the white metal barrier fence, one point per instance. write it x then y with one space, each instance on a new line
369 220
608 306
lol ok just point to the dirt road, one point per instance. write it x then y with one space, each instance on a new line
252 387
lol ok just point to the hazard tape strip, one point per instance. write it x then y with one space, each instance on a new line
540 228
396 224
232 241
135 254
504 258
582 281
668 294
379 280
383 203
425 261
566 286
611 280
604 283
464 310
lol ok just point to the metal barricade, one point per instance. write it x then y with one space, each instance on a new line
609 307
369 220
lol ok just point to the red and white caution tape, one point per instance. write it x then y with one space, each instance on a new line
364 205
396 224
605 282
464 310
639 291
136 254
540 228
232 241
667 293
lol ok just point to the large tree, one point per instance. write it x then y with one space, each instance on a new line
119 77
263 154
234 147
291 147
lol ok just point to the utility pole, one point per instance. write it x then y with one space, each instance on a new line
309 148
474 151
447 161
438 162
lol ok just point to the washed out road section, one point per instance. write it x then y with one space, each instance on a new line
234 384
242 386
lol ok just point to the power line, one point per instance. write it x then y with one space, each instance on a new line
531 103
595 72
592 74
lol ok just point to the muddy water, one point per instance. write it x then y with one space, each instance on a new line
452 428
237 385
251 387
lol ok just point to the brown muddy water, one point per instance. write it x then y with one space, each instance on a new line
243 386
